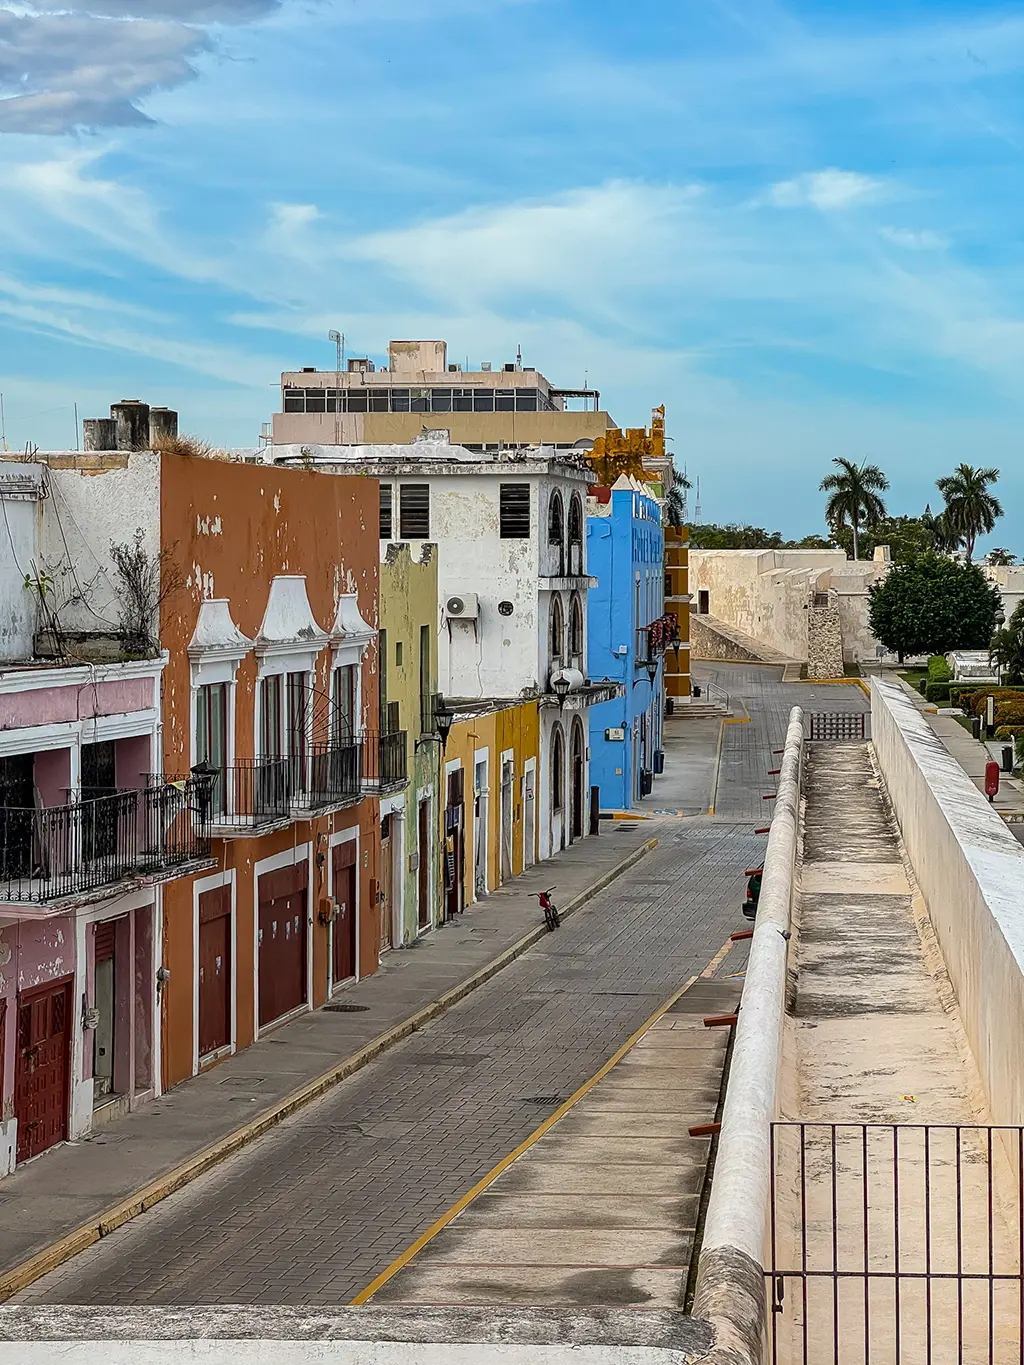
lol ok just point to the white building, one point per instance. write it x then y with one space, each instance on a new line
512 585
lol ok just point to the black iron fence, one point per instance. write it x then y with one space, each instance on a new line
332 776
60 851
385 761
896 1243
837 725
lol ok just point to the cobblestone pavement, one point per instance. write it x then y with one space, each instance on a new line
318 1207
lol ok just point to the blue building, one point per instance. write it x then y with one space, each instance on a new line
626 635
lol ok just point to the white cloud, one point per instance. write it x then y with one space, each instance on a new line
921 240
87 65
826 190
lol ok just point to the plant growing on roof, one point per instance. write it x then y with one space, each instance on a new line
854 497
148 582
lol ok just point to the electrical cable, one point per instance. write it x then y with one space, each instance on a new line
71 563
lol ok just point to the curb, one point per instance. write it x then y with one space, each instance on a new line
42 1262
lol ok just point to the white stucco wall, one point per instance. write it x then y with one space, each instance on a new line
19 555
86 512
765 593
970 869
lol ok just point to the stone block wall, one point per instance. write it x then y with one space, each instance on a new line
708 643
824 641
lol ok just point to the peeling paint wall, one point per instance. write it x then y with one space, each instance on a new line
230 529
19 556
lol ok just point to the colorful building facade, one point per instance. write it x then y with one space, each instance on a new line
630 637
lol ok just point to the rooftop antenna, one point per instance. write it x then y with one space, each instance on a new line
3 425
519 357
339 356
696 505
77 446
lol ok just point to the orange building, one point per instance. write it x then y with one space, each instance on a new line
271 693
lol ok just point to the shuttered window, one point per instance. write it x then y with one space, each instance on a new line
414 511
515 511
385 511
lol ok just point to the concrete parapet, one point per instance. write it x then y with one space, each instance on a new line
730 1290
970 869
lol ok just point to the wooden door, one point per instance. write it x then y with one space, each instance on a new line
423 865
343 860
282 941
454 844
215 983
386 878
43 1067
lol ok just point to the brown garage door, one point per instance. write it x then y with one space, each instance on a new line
282 941
343 857
43 1069
214 970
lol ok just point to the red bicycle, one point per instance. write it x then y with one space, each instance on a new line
551 915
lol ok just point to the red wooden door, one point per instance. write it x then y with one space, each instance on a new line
343 859
282 941
423 869
215 983
43 1067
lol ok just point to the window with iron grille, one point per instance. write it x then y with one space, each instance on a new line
515 511
385 511
414 511
556 531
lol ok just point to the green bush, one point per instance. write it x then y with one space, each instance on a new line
1001 694
938 670
960 694
937 691
1009 712
1015 732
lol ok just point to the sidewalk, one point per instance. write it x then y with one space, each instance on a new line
66 1199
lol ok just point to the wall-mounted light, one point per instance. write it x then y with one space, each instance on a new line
443 718
560 687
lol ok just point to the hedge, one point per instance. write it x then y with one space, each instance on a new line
937 691
978 701
938 670
1010 732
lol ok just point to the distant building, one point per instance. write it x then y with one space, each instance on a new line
512 595
628 633
511 407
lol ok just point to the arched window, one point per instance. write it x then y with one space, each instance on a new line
556 532
557 632
576 772
576 630
557 770
575 520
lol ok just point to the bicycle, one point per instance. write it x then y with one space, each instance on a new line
551 916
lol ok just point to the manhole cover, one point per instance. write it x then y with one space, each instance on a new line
541 1099
347 1009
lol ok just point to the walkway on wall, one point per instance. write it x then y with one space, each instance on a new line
883 1168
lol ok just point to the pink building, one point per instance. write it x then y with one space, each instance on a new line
89 832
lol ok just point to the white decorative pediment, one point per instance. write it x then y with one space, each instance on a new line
350 634
216 636
289 638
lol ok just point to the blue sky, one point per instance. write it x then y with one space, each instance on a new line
797 225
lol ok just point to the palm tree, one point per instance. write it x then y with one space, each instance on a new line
675 500
1000 558
971 510
854 499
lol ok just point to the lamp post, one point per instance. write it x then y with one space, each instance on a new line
443 718
560 687
206 775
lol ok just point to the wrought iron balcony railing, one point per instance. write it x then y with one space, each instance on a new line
56 852
253 794
331 776
385 761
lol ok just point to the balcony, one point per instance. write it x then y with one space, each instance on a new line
255 795
385 762
89 848
652 640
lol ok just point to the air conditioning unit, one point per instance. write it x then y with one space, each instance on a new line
463 607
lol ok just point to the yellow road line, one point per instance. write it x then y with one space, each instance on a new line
718 764
400 1262
718 959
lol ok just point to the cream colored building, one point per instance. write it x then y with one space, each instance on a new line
502 407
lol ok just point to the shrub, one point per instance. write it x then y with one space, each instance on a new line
937 691
1001 694
1009 713
960 694
938 670
1015 732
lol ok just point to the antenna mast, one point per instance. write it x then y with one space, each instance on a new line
696 505
339 357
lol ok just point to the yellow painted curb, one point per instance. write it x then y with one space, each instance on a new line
400 1262
40 1264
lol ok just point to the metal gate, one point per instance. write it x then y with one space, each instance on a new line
896 1244
837 725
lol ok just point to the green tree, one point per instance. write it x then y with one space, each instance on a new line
675 501
971 510
907 538
1000 558
1007 647
938 526
854 499
709 536
931 605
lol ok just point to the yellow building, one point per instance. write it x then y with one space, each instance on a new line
677 603
490 812
410 848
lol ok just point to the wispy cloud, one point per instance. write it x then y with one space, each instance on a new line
827 190
920 239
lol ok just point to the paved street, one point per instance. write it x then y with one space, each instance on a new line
313 1211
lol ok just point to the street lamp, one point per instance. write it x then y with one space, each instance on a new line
206 775
443 717
560 687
